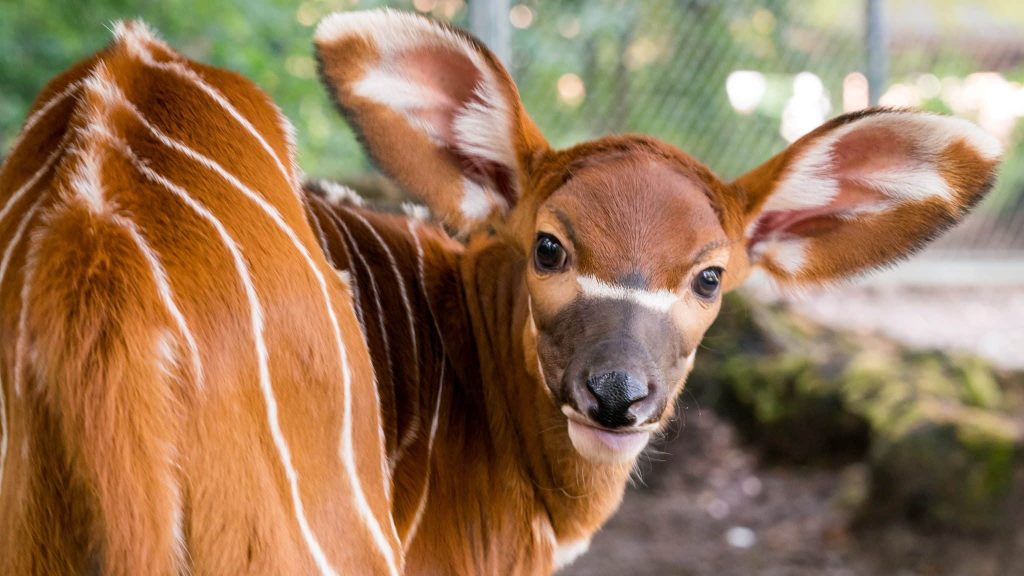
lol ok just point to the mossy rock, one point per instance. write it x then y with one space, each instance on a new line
947 469
934 428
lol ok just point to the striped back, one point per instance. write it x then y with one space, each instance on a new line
180 367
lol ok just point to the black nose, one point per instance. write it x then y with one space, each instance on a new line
615 392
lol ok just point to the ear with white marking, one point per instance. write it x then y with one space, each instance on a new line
862 191
433 107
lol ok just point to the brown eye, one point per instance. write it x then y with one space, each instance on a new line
707 282
548 254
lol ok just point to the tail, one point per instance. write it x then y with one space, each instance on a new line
100 351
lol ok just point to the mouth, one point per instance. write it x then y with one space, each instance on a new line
602 445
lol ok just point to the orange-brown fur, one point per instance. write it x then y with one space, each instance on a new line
506 485
121 442
112 444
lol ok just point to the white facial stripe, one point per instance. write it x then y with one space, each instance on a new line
659 300
166 294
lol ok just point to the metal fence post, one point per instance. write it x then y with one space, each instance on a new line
877 40
488 21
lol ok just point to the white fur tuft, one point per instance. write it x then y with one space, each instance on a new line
483 128
417 212
788 255
812 180
86 180
136 36
338 194
567 553
477 201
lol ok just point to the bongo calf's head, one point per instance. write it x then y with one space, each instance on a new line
627 242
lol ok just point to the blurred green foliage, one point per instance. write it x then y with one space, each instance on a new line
269 41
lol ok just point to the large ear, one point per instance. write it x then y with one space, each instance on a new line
434 109
862 191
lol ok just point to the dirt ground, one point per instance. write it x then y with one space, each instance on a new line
708 506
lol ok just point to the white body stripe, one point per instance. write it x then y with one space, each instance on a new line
348 457
37 115
139 39
353 277
373 285
421 506
342 231
659 300
22 343
166 294
4 264
410 435
31 182
320 236
256 323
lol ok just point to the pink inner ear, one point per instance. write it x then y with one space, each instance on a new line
870 149
449 80
855 157
810 222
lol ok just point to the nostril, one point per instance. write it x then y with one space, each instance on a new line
615 392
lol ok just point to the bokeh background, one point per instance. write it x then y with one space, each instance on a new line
872 429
